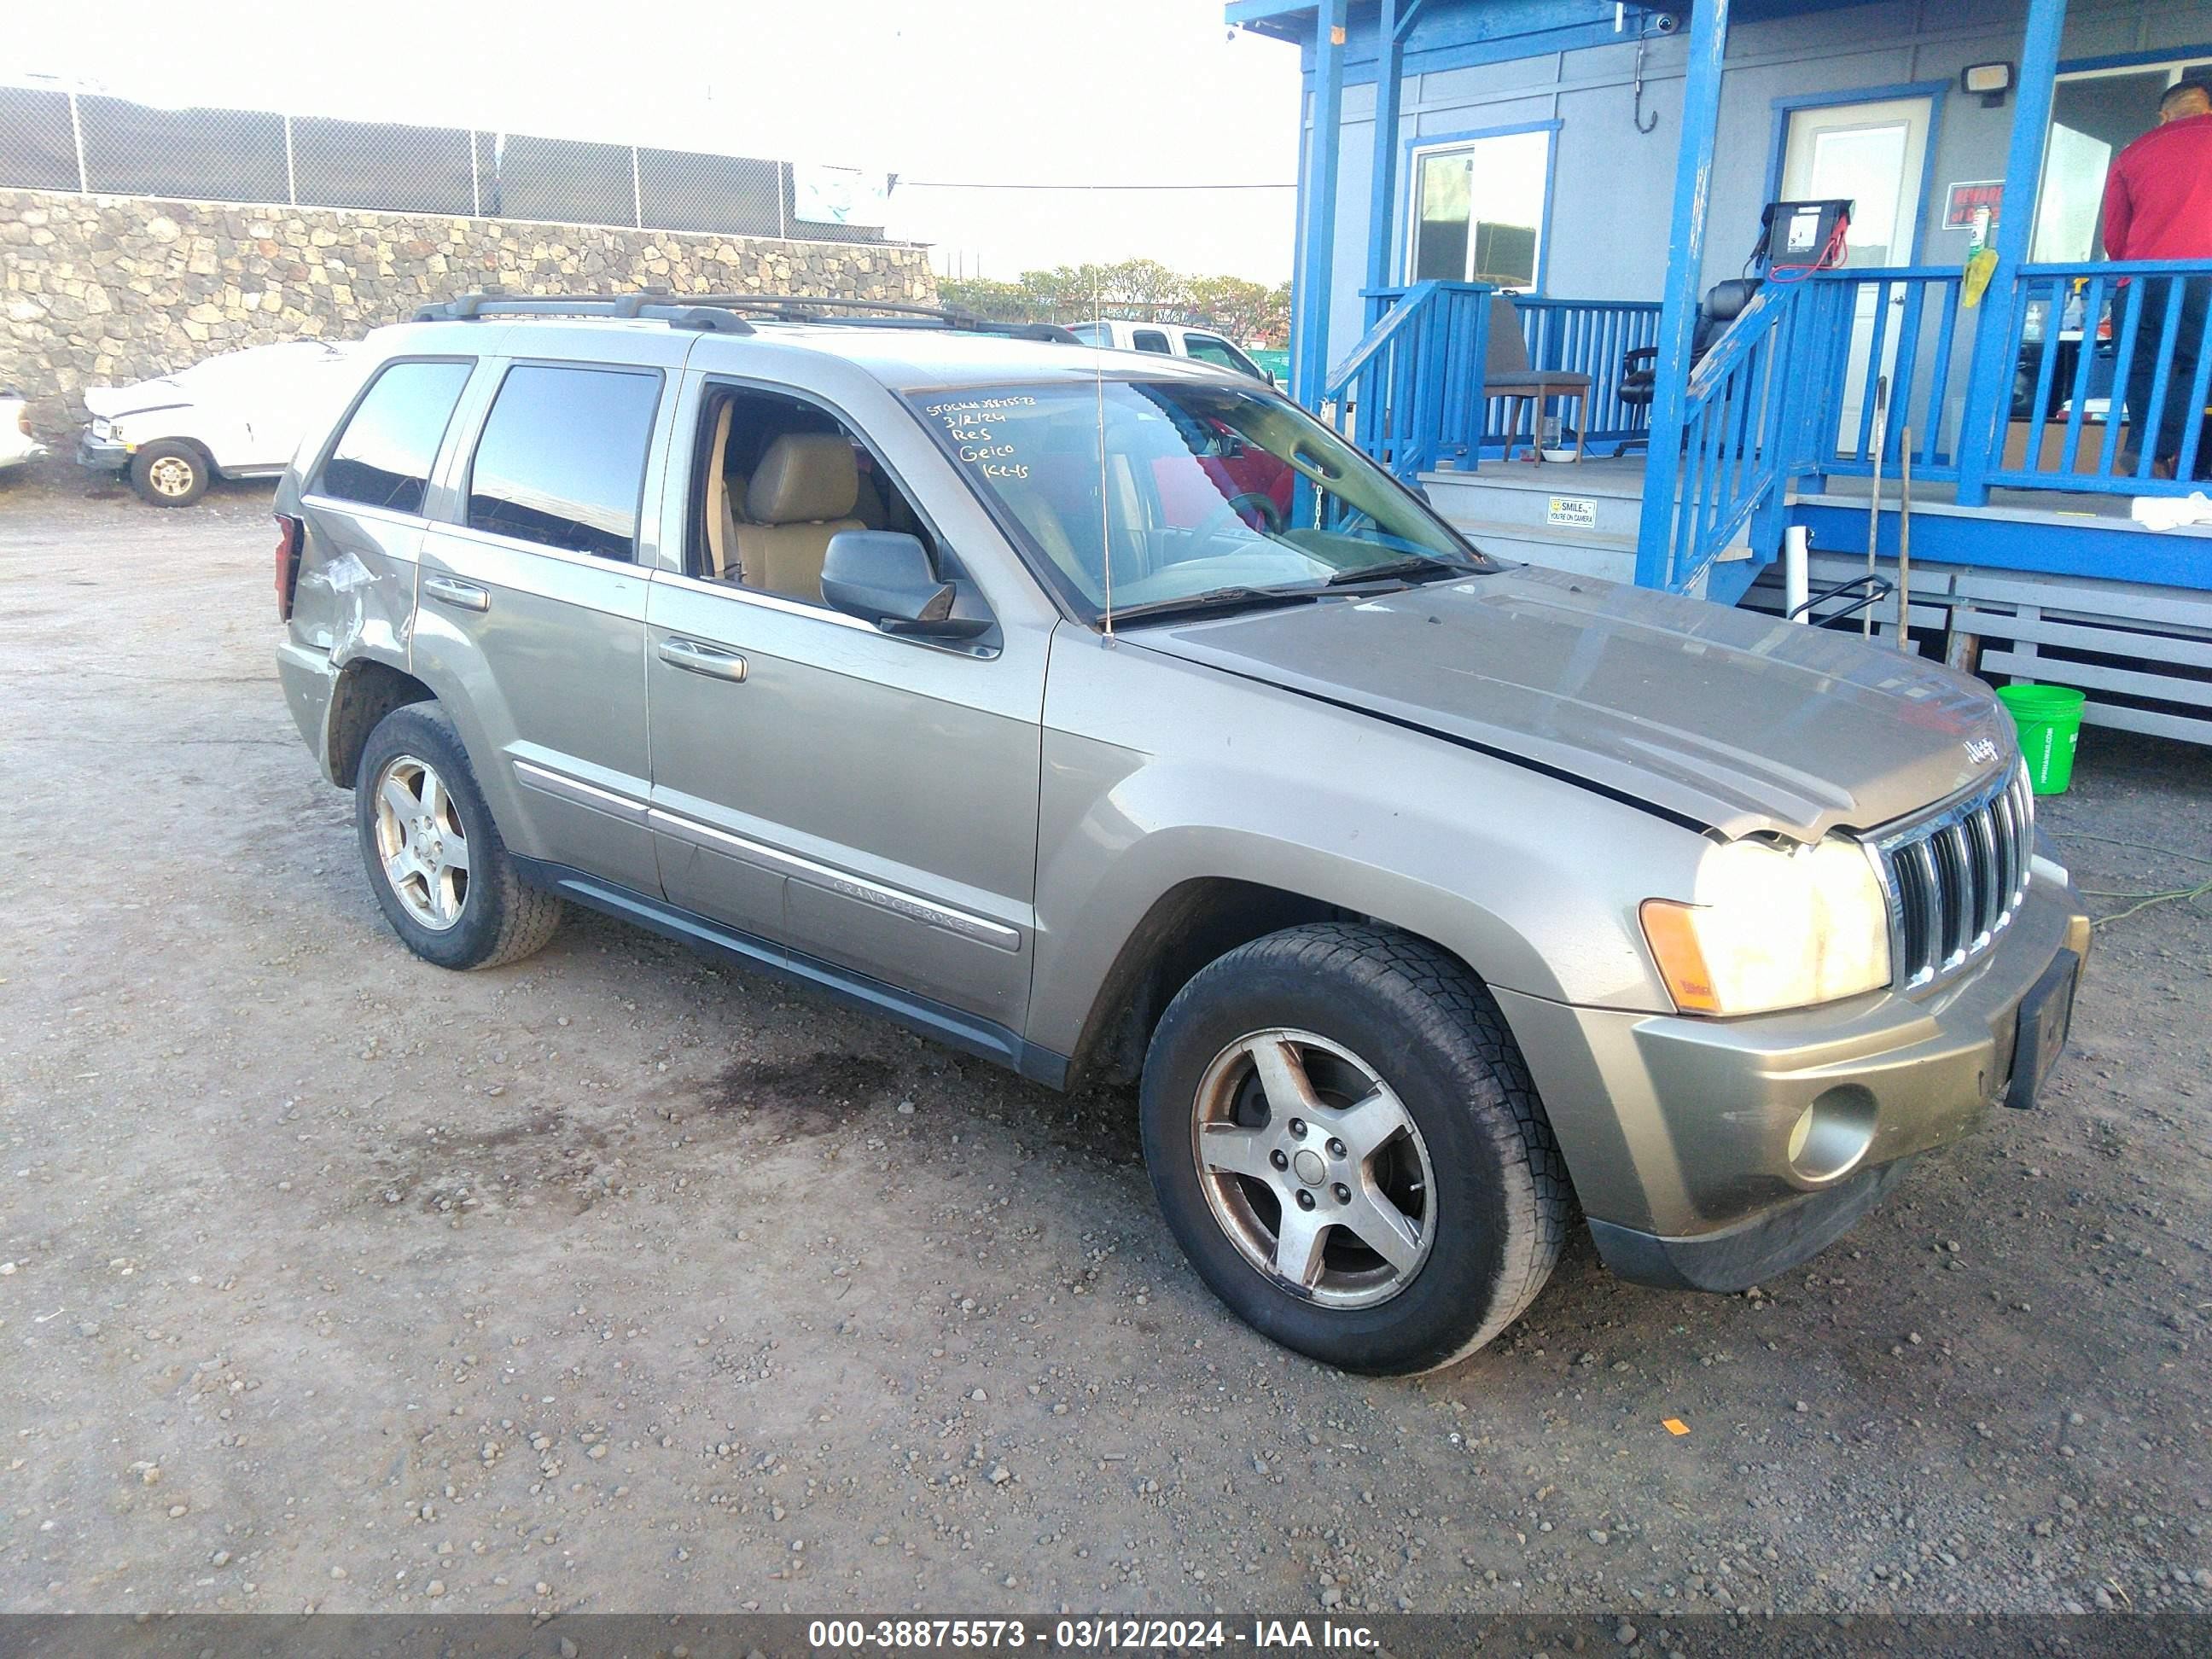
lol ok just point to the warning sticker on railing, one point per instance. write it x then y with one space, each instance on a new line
1573 511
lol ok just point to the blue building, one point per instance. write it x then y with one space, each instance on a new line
1585 175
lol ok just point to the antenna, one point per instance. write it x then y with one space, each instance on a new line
1105 517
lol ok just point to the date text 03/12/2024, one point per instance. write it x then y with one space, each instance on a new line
1087 1635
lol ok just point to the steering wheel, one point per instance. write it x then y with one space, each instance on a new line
1233 510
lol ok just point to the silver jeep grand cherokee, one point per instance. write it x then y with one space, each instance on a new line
1105 715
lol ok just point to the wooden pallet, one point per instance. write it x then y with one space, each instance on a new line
2142 654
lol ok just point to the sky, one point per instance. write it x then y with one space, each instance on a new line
991 92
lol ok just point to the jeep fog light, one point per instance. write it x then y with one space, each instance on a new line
1773 928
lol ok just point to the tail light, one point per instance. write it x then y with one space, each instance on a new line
290 533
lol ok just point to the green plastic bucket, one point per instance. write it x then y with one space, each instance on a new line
2050 721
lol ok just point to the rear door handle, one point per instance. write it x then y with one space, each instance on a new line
696 659
465 596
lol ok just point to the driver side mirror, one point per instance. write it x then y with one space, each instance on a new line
883 577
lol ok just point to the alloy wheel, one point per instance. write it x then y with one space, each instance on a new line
1314 1168
421 843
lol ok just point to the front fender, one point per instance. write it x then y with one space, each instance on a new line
1532 882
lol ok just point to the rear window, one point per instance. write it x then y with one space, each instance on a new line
383 457
561 461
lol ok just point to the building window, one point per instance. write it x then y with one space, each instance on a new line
1479 209
2094 115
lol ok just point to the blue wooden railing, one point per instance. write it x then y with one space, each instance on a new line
1409 393
1788 395
1592 337
1745 436
2067 431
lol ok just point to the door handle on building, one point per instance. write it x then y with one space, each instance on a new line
465 596
696 659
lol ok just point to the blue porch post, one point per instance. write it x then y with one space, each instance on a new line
1989 380
1678 314
1317 251
1397 15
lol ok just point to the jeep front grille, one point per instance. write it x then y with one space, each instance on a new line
1954 878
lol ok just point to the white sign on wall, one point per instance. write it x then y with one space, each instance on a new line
839 195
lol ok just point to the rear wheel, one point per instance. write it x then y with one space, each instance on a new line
440 872
1345 1143
169 473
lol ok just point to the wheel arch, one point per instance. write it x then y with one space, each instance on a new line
366 690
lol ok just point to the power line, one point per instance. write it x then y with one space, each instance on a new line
945 184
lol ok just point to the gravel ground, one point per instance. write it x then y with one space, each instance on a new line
619 1280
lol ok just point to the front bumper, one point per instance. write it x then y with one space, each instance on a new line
102 454
1712 1153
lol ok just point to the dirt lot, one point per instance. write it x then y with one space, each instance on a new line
620 1281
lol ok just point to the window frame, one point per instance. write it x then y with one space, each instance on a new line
2176 60
691 553
316 486
1415 151
466 471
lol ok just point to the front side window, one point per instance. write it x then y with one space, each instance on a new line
383 457
561 461
1192 493
1479 210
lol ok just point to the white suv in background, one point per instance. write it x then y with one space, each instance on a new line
240 415
1169 340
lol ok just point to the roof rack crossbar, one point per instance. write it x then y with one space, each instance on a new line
718 313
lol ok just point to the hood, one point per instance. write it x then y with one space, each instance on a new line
1735 721
110 402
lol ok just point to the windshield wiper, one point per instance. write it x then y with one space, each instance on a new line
1418 564
1215 598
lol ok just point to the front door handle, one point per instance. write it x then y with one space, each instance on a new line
696 659
465 596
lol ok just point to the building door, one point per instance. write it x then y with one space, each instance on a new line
1874 155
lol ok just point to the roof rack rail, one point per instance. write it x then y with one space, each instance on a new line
655 303
809 308
718 313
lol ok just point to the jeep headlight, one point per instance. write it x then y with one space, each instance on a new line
1773 928
102 427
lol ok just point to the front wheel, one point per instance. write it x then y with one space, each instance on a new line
441 874
169 474
1346 1145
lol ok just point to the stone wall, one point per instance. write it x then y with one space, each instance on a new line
102 290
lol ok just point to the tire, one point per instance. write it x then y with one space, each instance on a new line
1446 1131
435 861
170 473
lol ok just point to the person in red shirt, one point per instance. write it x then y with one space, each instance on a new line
2158 205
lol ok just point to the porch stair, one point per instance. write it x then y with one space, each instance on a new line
1580 517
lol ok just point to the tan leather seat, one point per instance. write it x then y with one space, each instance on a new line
801 495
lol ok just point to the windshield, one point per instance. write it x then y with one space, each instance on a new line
1183 490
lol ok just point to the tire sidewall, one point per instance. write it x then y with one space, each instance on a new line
142 465
422 729
1452 1293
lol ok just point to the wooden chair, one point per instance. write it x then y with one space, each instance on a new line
1506 374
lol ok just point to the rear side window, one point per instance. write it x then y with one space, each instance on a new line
383 457
561 461
1150 339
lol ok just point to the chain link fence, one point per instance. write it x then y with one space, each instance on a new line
93 144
